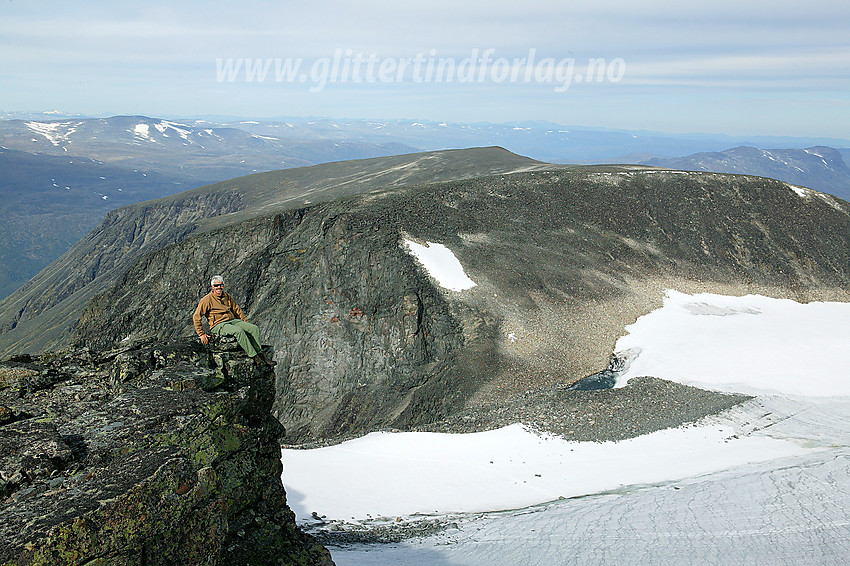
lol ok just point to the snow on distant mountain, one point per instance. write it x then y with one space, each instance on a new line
55 132
60 176
820 168
198 149
109 137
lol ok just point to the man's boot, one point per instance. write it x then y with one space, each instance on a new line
268 362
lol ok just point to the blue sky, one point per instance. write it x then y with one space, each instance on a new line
742 68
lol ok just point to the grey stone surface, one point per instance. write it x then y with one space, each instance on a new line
148 454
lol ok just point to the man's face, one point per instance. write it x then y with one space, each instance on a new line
217 289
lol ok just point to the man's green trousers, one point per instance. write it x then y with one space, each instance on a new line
246 334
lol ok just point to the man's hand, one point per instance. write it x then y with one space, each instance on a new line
205 339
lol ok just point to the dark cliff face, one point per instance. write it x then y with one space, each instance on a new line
363 325
148 454
563 259
41 307
40 315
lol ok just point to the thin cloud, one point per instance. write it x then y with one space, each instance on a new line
85 57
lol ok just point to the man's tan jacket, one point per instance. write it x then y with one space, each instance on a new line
216 309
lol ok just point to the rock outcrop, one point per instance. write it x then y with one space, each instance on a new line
145 454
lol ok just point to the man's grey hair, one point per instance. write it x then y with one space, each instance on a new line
216 279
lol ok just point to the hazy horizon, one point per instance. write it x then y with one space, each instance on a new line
725 68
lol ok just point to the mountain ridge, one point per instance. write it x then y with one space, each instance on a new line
135 229
563 258
91 165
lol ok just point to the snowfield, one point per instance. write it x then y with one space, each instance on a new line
753 345
767 482
442 264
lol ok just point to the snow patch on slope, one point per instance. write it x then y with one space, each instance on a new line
802 192
142 131
55 132
442 264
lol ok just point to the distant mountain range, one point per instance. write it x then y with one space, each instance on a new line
546 141
820 168
63 173
195 150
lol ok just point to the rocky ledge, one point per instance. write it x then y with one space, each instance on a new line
147 454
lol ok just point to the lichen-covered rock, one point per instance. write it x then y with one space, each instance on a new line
148 454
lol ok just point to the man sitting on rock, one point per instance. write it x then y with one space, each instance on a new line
226 319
